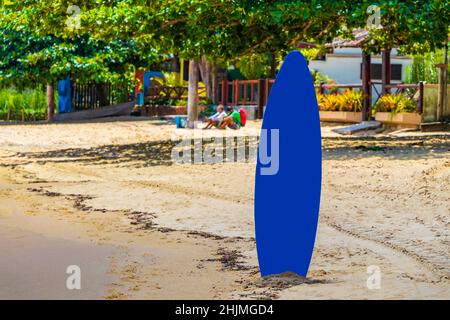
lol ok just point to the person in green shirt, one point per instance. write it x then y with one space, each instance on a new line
232 120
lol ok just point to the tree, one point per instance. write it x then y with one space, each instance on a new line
30 55
217 31
206 31
415 26
198 30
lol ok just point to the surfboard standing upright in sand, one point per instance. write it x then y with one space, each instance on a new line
288 172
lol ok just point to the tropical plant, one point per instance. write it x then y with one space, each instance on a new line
423 68
353 100
310 53
395 103
349 100
171 79
319 77
27 103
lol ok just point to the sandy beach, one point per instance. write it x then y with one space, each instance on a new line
106 196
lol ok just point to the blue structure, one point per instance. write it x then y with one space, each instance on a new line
148 75
65 96
289 172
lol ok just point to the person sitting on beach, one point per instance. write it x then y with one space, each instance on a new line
216 119
232 120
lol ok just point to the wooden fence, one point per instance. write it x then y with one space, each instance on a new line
159 92
256 92
94 95
22 116
410 90
237 92
336 88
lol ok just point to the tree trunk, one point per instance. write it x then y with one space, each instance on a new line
50 101
214 84
386 70
442 93
273 67
205 72
192 108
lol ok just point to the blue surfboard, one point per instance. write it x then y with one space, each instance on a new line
288 172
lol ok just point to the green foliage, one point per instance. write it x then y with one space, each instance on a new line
415 26
319 78
223 29
217 29
208 112
31 54
171 79
424 68
179 103
395 103
118 33
25 57
205 102
310 54
31 102
254 66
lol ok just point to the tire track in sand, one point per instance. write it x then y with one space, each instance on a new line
399 251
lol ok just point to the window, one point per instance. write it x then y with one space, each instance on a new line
375 71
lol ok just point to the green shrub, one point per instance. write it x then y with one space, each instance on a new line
179 103
319 78
395 103
423 68
32 103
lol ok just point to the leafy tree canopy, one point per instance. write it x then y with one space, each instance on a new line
118 31
192 28
415 26
29 54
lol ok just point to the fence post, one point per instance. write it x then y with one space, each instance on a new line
261 102
236 92
366 87
321 88
386 70
224 92
421 92
442 92
245 92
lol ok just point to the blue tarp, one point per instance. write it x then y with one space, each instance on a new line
64 96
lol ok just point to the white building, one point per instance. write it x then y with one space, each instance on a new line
344 63
344 66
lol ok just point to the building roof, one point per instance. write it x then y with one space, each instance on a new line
306 45
360 35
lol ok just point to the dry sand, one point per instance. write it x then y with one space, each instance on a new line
105 196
